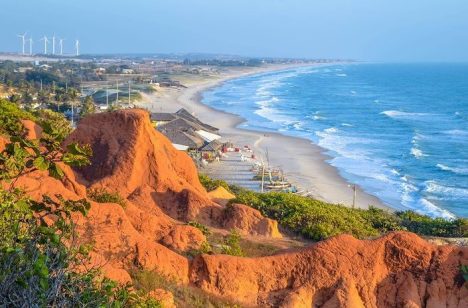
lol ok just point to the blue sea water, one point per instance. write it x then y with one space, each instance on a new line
400 131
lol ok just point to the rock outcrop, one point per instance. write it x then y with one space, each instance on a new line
221 196
162 191
249 221
396 270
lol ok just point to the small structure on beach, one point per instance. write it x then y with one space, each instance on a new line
188 133
184 129
161 118
212 150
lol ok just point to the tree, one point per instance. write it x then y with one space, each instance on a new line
37 269
88 106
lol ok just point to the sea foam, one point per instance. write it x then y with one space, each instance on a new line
462 171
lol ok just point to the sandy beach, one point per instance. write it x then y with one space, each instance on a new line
303 162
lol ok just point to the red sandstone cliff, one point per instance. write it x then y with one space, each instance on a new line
163 191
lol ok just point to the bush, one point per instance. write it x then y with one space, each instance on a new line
211 184
231 245
433 226
319 220
10 118
37 268
204 229
101 195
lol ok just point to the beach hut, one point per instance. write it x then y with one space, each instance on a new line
211 150
184 114
207 136
161 118
183 139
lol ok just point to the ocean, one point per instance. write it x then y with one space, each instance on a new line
399 131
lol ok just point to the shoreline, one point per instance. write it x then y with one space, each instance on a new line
303 162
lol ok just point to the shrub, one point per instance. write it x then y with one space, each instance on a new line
101 195
211 184
231 245
204 229
10 116
433 226
318 220
37 269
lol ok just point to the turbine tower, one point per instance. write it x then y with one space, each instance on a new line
30 46
77 47
53 44
23 40
61 46
45 43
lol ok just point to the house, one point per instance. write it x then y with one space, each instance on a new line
212 150
161 118
184 139
183 113
187 133
100 70
207 136
127 71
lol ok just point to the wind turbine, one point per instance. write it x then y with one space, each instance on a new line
53 44
77 47
30 46
23 40
61 46
46 40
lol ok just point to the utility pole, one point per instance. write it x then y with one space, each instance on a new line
354 196
129 92
263 174
107 96
72 116
117 94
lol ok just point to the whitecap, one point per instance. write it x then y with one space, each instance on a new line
417 152
438 189
395 172
346 124
316 117
429 208
341 75
402 114
463 171
331 130
457 132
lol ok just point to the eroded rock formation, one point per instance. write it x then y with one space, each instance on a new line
162 192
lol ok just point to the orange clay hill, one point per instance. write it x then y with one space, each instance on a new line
162 192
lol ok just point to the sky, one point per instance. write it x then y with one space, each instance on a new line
367 30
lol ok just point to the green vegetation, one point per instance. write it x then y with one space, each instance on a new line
101 195
211 184
37 268
231 244
10 116
184 296
88 106
318 220
204 229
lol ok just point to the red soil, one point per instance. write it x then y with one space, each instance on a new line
162 190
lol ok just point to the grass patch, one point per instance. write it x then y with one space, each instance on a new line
204 229
184 296
100 195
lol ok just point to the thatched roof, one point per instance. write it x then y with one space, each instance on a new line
183 113
162 116
214 145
